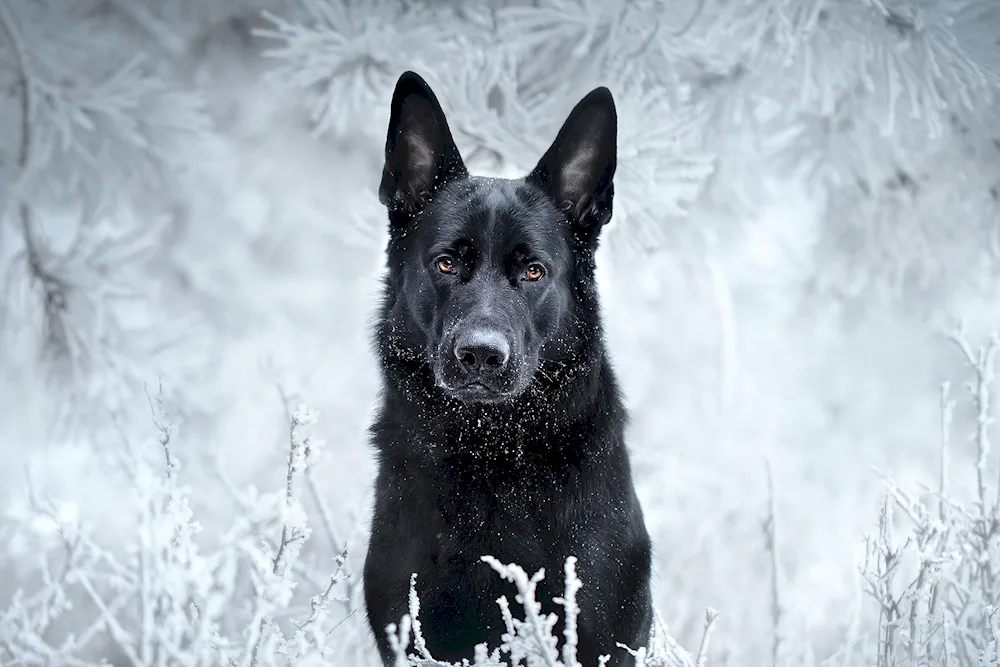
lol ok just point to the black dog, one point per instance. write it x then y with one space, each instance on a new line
501 425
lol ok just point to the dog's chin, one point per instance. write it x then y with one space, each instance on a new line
483 391
478 392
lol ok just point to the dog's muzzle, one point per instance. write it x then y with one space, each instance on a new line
479 364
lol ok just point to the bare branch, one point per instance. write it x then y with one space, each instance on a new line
771 546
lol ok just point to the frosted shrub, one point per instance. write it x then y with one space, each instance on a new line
530 642
166 600
937 587
247 597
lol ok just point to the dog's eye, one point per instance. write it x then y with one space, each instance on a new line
534 272
445 264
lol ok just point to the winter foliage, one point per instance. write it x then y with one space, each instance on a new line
808 190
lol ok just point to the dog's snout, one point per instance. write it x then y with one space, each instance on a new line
482 350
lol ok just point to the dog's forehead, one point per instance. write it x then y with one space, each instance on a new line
497 214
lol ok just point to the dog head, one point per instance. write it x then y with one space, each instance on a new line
490 279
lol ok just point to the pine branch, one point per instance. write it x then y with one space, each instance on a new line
53 289
151 23
345 62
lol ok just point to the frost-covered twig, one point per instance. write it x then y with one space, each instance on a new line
325 515
771 546
419 643
947 407
536 627
164 430
880 576
275 588
982 364
664 651
399 640
710 617
570 612
990 657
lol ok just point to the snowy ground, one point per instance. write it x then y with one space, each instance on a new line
286 248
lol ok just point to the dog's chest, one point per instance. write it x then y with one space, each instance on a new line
508 521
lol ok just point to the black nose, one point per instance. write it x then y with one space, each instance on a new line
482 350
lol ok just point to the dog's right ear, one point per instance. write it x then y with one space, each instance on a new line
420 153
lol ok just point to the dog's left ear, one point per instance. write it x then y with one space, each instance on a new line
578 168
420 153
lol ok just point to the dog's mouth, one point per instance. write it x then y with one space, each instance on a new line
478 392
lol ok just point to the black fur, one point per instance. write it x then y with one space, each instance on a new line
501 428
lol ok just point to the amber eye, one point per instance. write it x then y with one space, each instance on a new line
446 265
534 272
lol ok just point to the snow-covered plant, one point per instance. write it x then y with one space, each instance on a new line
938 586
530 642
165 598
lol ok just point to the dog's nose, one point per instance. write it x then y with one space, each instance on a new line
482 350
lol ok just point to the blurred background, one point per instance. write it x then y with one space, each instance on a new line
808 198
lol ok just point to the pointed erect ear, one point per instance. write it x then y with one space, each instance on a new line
578 168
420 154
